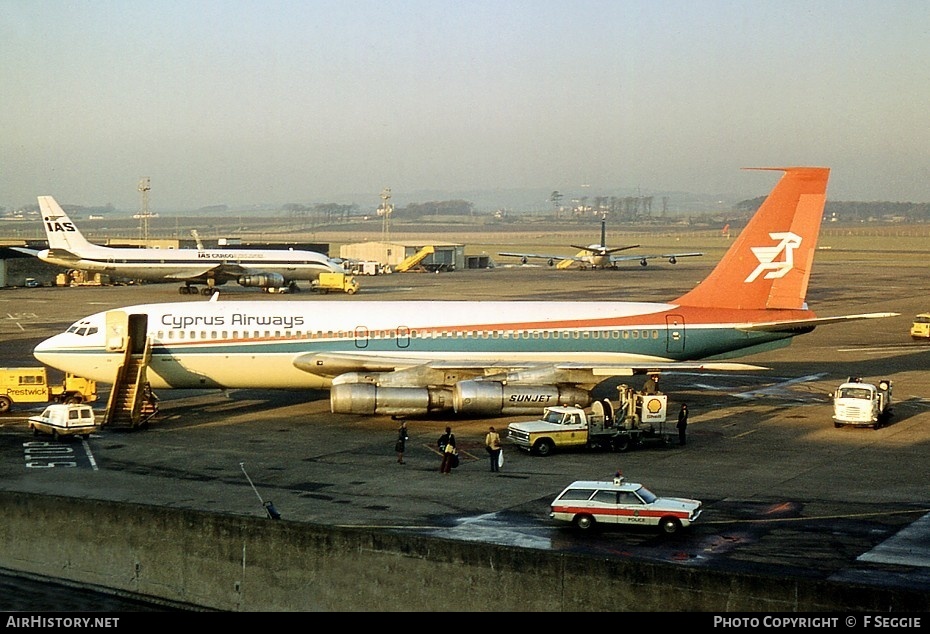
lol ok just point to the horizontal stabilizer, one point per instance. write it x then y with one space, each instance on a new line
797 324
63 254
32 252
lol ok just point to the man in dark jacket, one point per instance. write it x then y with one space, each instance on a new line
682 423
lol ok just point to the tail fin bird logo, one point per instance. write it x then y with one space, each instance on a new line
788 242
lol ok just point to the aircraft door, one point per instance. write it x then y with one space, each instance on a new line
403 336
675 333
138 333
361 337
117 325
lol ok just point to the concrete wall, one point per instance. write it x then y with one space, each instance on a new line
254 564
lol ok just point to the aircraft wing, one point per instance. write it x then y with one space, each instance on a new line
198 272
538 256
671 257
219 272
350 367
809 324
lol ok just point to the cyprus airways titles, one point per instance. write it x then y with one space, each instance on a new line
181 322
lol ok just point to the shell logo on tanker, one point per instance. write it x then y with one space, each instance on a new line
654 405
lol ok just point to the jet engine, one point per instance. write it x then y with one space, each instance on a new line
263 280
643 262
366 398
673 260
496 398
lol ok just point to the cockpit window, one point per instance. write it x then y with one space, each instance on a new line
82 329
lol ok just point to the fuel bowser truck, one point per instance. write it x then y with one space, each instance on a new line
858 403
637 419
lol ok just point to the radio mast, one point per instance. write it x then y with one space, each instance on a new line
144 186
385 211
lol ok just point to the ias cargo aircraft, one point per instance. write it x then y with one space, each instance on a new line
599 256
263 268
478 358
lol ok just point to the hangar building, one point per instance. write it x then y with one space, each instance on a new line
433 256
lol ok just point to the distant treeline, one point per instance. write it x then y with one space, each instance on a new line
861 211
332 212
629 209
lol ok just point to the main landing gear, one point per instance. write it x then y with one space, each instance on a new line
187 289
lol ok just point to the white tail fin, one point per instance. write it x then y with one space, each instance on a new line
60 231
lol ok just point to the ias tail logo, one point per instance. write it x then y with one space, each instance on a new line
788 242
52 224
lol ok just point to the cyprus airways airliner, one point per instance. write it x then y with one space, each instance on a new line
265 268
475 357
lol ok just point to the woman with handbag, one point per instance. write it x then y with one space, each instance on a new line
492 443
447 447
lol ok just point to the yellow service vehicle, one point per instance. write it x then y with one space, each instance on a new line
30 385
920 329
327 282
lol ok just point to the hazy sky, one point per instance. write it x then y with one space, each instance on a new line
315 101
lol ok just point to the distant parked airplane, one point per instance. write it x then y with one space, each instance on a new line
475 358
599 256
263 268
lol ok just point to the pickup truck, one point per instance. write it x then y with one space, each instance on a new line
639 418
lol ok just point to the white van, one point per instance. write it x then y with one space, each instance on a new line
64 420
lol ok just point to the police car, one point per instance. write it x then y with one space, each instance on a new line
588 503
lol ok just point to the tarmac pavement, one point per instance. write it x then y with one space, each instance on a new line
785 492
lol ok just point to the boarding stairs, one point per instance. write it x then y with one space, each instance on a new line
415 259
132 403
564 264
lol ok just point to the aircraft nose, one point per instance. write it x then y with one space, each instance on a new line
44 351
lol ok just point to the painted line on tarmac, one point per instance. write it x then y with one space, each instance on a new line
90 454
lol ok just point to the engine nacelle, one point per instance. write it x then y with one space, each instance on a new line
673 260
263 280
368 399
643 262
493 397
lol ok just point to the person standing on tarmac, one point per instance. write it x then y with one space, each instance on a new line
401 444
682 423
493 443
447 447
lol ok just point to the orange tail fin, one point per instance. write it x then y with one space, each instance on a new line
769 265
